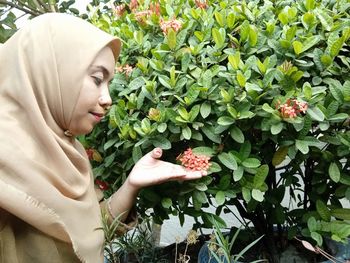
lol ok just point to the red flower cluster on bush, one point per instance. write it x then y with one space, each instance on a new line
102 184
201 5
291 108
166 25
93 155
127 69
194 162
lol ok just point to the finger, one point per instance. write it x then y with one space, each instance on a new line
189 176
178 171
156 153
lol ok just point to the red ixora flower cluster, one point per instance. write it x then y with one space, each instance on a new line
202 4
127 69
102 184
291 108
194 162
172 23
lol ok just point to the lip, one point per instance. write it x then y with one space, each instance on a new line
97 116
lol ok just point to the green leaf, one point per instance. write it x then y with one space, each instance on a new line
241 79
205 109
302 146
194 112
258 195
336 46
261 175
246 194
323 211
214 220
244 30
317 237
334 172
207 151
310 42
253 36
238 174
214 168
219 37
341 213
201 187
225 121
339 117
283 18
266 107
209 132
230 20
219 18
312 224
171 39
138 36
162 127
136 154
136 83
161 142
325 19
298 47
309 4
251 163
237 134
315 113
280 155
167 202
186 133
200 197
234 60
276 128
228 160
220 197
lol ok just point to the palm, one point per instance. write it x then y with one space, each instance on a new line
150 171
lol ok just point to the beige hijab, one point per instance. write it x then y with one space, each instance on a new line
45 177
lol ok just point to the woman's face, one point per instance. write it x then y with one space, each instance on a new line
94 96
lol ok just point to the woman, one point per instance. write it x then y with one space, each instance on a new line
54 79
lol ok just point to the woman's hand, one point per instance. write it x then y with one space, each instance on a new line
150 171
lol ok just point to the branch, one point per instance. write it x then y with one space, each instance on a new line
28 11
40 5
23 3
52 4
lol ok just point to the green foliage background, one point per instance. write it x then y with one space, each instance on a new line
215 86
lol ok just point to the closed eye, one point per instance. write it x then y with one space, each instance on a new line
97 80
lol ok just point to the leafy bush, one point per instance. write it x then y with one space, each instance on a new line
260 86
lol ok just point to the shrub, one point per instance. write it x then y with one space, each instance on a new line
262 87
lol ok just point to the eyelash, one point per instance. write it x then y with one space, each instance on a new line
97 81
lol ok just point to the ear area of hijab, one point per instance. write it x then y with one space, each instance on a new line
115 45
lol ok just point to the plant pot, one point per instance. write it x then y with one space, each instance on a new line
339 250
204 256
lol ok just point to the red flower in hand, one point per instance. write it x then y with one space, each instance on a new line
194 162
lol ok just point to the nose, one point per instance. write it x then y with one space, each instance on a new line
105 99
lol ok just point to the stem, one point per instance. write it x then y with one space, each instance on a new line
175 251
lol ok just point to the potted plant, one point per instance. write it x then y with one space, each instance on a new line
262 88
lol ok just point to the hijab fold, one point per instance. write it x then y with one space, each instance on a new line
45 177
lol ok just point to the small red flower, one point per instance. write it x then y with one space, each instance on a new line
201 4
194 162
102 184
166 25
291 108
90 153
